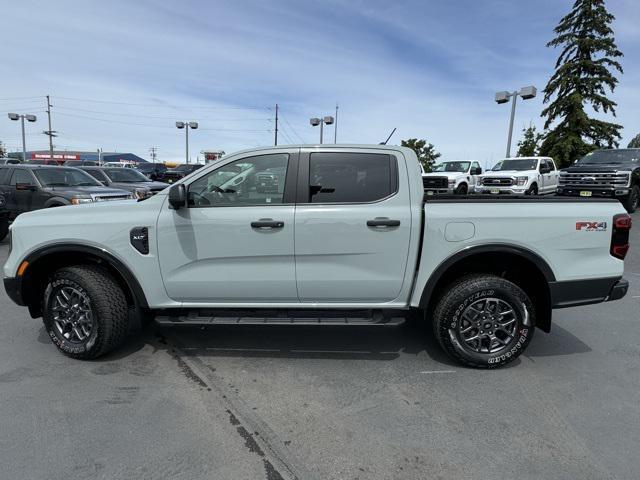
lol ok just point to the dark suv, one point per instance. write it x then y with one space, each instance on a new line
126 179
32 187
613 173
174 174
4 218
155 171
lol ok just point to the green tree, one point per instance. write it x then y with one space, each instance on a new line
426 152
529 146
2 150
635 143
583 73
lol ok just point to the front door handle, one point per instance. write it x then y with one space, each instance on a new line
383 222
267 223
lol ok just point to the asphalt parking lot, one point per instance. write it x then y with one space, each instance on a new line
324 403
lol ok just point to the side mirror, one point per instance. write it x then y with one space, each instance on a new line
177 197
478 171
25 186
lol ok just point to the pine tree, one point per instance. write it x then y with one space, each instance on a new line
426 152
583 74
529 146
635 143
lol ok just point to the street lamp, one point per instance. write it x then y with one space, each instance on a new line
328 120
503 97
187 126
30 118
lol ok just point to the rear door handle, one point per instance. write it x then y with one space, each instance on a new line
267 223
383 222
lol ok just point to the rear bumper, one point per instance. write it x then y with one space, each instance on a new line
13 287
585 292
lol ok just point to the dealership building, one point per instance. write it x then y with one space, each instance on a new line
75 155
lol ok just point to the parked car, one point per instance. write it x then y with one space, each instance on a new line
81 163
120 164
611 173
155 171
126 179
4 218
32 187
520 176
454 177
172 175
9 161
346 238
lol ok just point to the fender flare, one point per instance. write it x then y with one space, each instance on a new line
61 200
441 269
137 293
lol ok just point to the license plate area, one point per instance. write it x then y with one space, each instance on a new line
585 193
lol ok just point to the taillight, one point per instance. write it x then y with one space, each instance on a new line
620 235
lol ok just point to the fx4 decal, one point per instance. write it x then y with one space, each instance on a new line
591 226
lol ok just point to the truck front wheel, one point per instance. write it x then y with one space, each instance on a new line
85 311
484 321
631 202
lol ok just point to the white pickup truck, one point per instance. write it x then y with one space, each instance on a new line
520 176
454 177
323 234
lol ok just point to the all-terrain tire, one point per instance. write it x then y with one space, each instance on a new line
108 307
631 202
452 316
462 189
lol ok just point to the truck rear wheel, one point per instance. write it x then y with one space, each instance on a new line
484 321
85 311
4 228
631 202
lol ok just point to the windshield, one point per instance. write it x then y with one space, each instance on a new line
516 164
460 167
125 175
622 155
64 177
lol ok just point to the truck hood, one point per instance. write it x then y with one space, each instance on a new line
509 173
601 167
451 175
93 191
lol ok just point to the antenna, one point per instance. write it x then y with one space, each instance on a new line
389 137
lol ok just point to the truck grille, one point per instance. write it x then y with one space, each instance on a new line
435 182
497 181
109 198
593 179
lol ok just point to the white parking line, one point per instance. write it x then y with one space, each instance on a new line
439 371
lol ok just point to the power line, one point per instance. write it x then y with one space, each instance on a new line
292 129
161 105
159 117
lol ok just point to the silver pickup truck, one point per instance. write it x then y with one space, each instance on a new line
324 234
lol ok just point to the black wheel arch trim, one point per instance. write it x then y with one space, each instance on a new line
129 278
441 269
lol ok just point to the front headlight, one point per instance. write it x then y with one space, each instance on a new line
522 181
80 200
141 193
452 183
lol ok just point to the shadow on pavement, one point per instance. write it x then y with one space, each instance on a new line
558 342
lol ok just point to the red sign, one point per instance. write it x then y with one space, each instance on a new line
56 156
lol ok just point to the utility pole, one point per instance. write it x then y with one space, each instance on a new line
335 126
50 133
276 130
153 154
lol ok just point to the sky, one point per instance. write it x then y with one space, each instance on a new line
121 73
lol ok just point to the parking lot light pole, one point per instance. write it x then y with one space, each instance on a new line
187 126
503 97
328 120
30 118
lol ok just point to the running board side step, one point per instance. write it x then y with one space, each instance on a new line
279 317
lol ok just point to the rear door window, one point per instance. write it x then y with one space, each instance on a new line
22 176
351 177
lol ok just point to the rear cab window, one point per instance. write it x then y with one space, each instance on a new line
351 177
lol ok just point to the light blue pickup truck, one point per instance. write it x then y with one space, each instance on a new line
323 234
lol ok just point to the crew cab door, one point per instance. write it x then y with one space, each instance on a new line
233 244
353 224
24 192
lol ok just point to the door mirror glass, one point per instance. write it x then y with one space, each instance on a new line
477 171
177 197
